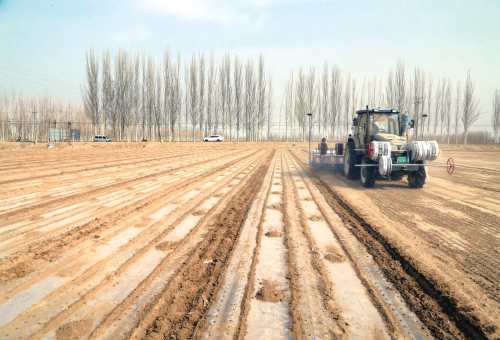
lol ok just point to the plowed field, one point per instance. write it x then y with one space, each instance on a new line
242 241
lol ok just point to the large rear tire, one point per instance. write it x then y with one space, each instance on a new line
351 171
416 179
368 173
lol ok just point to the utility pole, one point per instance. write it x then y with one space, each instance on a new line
34 125
310 116
423 125
417 103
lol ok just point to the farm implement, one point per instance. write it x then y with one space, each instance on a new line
379 148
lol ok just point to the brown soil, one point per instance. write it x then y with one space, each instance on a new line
270 292
74 330
164 246
316 218
335 257
182 305
81 226
273 233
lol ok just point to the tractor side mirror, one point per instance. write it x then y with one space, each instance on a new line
355 122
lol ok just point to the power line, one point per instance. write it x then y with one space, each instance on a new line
22 68
34 82
76 88
23 55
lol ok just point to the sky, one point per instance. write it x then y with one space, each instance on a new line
43 43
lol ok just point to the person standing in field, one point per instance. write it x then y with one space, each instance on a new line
323 147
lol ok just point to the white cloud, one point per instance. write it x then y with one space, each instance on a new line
133 34
189 9
226 11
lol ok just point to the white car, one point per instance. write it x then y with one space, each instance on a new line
101 138
214 138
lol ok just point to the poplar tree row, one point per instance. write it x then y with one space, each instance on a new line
142 99
333 99
134 97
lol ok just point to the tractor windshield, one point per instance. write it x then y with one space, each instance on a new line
385 123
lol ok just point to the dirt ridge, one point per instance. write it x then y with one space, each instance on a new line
183 304
470 327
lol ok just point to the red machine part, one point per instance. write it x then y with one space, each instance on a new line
369 149
450 165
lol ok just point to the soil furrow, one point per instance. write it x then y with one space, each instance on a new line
49 249
150 238
435 309
182 306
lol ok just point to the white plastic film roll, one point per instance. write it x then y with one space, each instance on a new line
380 149
385 165
421 151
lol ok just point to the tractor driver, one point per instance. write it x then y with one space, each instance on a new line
323 147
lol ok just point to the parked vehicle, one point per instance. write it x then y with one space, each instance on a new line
101 138
214 138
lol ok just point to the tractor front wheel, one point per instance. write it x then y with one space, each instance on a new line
416 179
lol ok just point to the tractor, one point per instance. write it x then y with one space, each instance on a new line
379 148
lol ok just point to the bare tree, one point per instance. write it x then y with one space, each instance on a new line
250 97
446 109
223 93
187 104
158 105
362 95
420 98
354 94
470 107
325 103
269 105
150 99
347 105
135 94
144 97
390 91
91 93
201 93
431 115
193 90
311 92
336 93
107 90
261 98
238 93
124 76
288 104
495 119
438 108
229 95
168 92
457 111
211 93
177 95
301 103
3 116
400 97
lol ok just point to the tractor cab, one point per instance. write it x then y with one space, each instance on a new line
380 125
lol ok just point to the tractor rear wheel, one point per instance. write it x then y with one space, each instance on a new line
416 179
351 171
368 173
